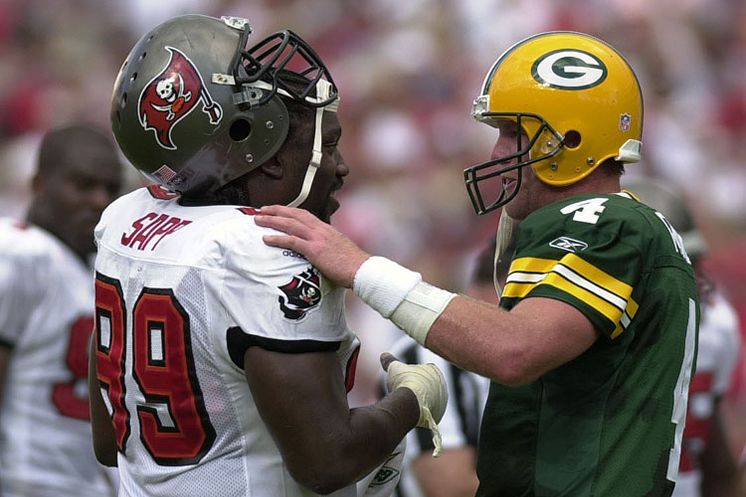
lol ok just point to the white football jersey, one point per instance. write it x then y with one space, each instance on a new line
717 355
181 293
46 316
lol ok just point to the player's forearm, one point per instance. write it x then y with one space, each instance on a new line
513 348
379 428
481 337
719 468
348 451
475 335
716 488
453 474
104 442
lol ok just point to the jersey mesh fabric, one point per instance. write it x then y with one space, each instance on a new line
601 424
224 278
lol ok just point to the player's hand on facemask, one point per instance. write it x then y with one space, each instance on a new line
428 384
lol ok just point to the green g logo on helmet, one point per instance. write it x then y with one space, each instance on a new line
569 70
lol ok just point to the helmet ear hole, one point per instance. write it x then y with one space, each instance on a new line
240 130
572 139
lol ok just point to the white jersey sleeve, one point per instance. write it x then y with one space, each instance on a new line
276 296
20 292
720 331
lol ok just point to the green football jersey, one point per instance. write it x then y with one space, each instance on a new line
609 422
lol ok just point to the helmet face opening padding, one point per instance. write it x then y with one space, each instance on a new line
576 98
193 109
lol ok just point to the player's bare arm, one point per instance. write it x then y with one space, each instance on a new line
515 347
450 475
719 468
325 444
104 438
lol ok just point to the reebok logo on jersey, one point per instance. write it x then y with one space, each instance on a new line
568 244
301 294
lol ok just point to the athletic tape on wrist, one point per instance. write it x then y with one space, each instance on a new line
419 310
384 284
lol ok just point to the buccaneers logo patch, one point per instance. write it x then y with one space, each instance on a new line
301 294
172 95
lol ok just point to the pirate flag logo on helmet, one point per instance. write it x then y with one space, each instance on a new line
172 95
301 294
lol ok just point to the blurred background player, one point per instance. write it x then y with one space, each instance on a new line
708 464
222 365
46 319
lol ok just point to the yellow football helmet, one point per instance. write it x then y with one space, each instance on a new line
576 98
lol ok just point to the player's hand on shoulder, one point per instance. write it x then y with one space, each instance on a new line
327 249
427 383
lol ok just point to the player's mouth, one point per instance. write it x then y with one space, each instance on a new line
336 187
333 202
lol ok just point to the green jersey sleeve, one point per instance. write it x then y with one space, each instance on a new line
592 252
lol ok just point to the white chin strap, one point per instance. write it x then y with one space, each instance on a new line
323 89
503 238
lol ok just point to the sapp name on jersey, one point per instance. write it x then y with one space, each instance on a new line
152 227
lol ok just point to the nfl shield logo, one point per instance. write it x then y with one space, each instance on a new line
625 120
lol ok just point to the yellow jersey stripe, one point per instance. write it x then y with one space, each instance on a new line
571 274
560 281
600 278
532 265
587 271
611 312
613 299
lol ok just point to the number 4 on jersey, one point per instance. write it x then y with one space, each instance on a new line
586 211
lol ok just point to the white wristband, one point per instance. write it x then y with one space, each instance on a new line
384 284
419 310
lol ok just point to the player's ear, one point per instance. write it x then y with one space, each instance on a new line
273 168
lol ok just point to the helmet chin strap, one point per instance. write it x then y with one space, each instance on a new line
323 89
503 238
